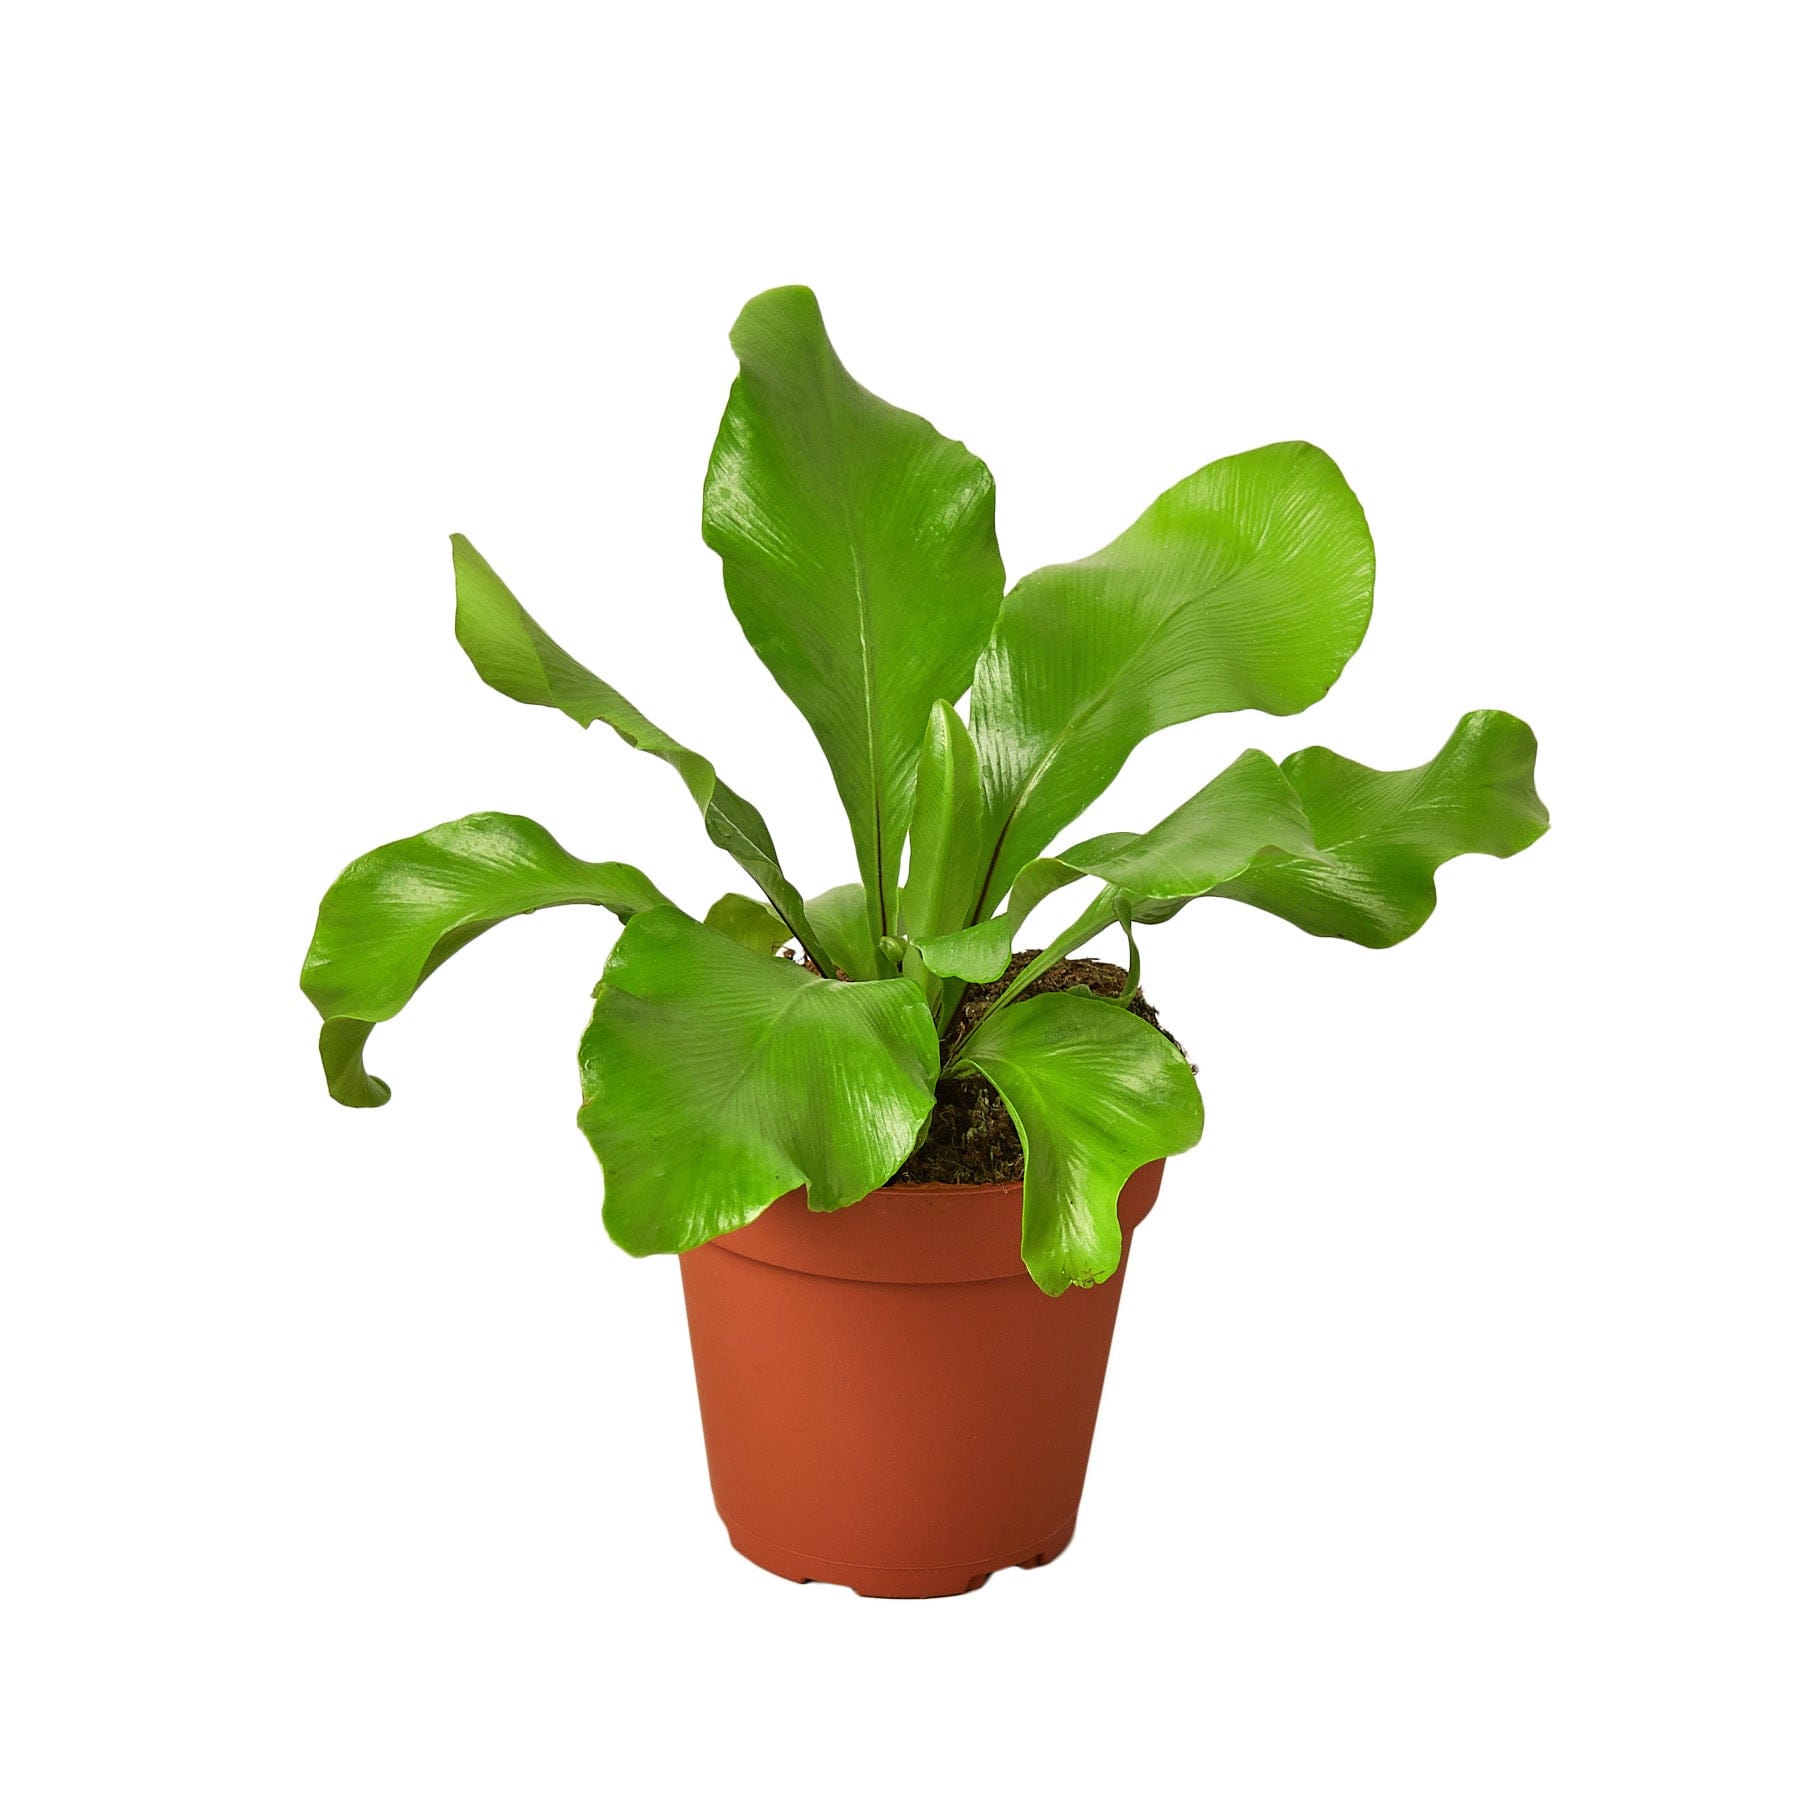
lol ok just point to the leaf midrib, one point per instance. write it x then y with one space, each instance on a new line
1244 557
1058 744
751 1058
864 616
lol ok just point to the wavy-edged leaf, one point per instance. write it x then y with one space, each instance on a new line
1225 827
515 655
944 845
748 922
1096 1093
1381 836
395 915
715 1080
1337 848
1253 834
859 557
1246 585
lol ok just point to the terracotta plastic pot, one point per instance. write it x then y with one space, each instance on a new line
888 1399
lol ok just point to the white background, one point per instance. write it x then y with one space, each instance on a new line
1450 1441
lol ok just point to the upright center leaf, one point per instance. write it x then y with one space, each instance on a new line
860 559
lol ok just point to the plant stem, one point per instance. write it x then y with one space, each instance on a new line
1133 970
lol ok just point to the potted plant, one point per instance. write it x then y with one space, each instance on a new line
902 1160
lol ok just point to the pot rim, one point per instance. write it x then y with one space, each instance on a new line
917 1232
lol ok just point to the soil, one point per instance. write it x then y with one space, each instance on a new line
970 1137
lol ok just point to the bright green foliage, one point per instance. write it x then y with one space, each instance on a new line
1096 1094
1335 848
944 845
840 917
715 1080
1380 838
748 922
981 952
859 558
1247 585
512 652
399 912
858 554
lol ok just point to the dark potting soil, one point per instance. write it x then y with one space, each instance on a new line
971 1137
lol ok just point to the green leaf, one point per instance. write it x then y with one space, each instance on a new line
912 968
512 653
981 952
859 556
1133 967
748 922
1339 849
348 1082
715 1080
1096 1093
976 953
1246 585
1253 833
1247 812
398 913
1381 836
839 917
944 846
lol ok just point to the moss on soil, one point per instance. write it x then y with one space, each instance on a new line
970 1137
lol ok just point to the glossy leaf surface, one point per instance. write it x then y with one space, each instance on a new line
859 557
1096 1093
944 845
1247 585
981 952
1248 811
515 655
1381 836
715 1080
395 915
748 922
1335 847
840 918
